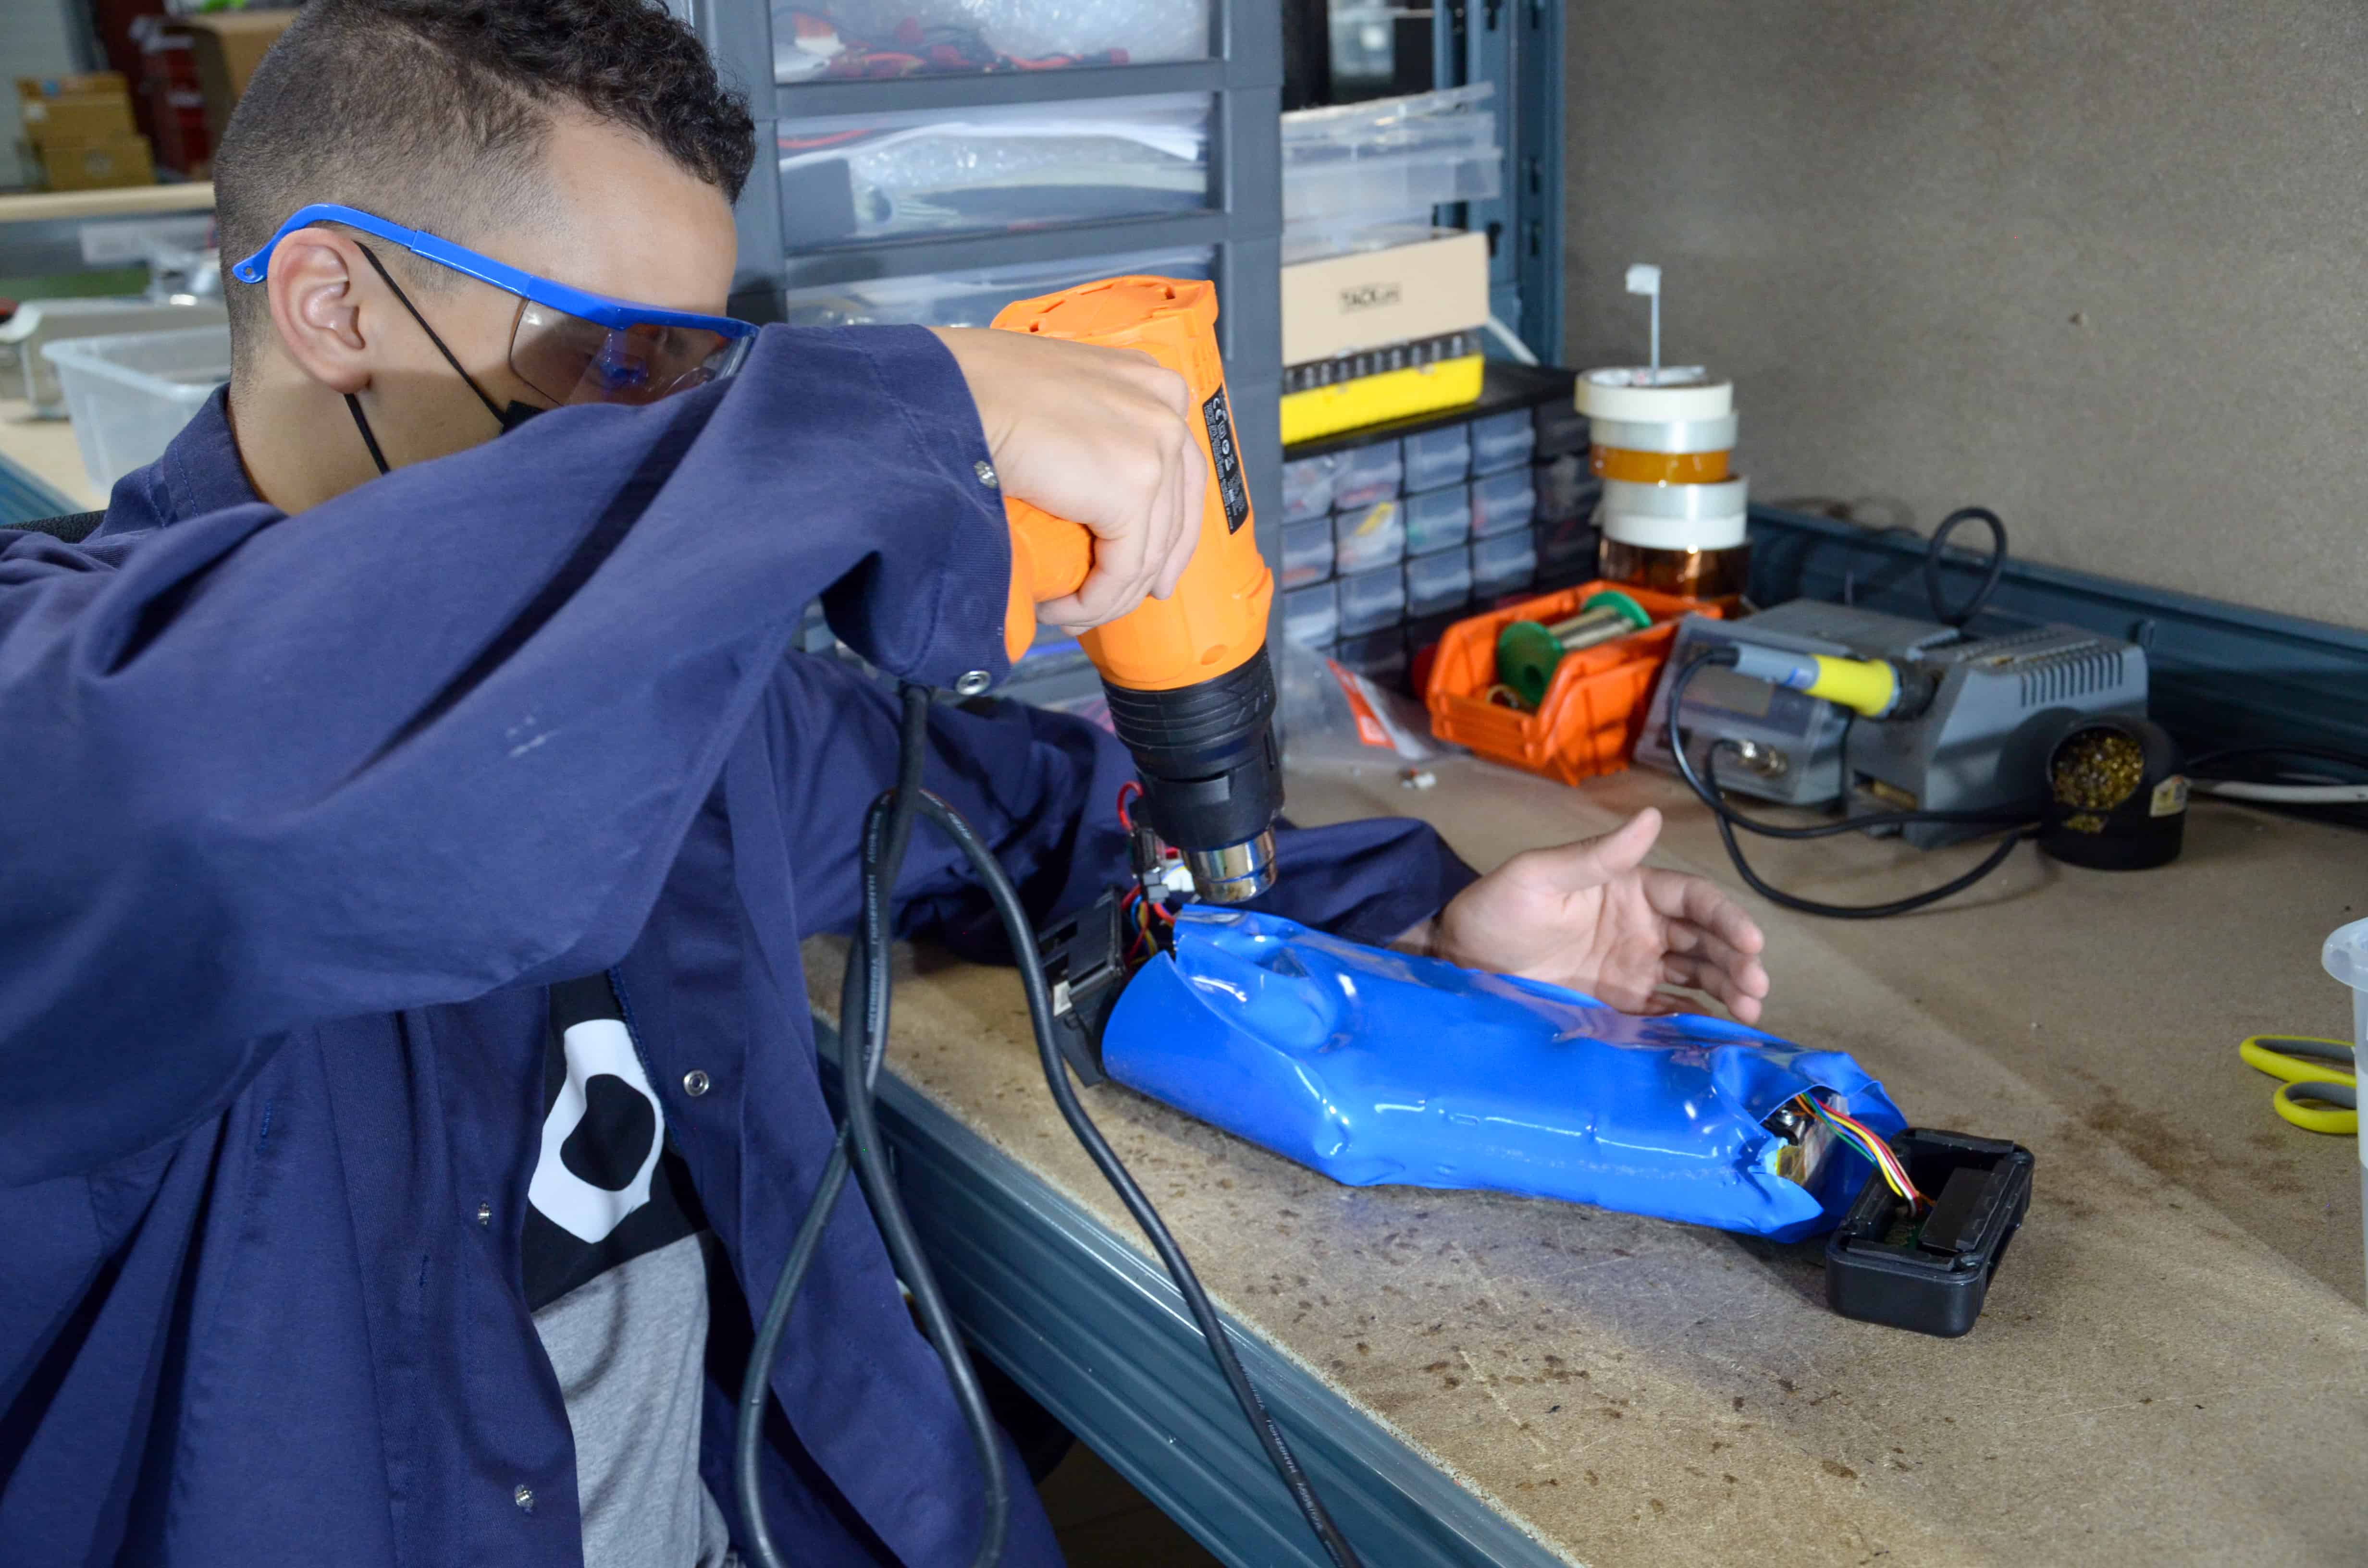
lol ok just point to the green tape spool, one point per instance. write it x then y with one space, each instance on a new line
1528 654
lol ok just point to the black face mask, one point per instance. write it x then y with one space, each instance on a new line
509 418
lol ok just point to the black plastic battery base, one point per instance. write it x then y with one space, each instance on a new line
1887 1266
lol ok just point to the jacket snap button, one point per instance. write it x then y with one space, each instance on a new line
524 1498
695 1083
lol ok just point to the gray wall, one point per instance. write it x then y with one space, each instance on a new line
2101 265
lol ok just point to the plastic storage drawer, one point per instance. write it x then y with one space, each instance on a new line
1565 487
1306 553
1560 428
1502 502
1372 537
1307 488
1566 544
1390 156
1380 659
130 395
1311 617
1371 600
1436 583
848 178
1502 565
1439 519
1502 441
1367 474
1437 457
868 37
972 297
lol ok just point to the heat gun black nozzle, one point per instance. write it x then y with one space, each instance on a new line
1211 774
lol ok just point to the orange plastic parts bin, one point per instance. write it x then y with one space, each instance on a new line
1594 708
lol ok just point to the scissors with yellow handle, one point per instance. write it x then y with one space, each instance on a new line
2321 1091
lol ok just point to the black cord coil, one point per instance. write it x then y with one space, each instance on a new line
863 1017
1960 614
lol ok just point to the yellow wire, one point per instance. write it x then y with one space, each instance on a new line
2292 1100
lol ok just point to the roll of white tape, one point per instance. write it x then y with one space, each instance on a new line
1670 436
1676 517
1671 393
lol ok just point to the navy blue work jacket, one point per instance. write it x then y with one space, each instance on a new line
302 815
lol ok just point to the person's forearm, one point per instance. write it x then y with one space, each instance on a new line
442 733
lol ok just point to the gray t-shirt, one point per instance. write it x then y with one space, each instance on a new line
628 1346
612 1254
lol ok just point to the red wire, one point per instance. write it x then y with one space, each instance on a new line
1127 792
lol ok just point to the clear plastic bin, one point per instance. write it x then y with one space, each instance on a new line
973 298
853 178
1502 441
1307 488
1367 474
2345 956
1438 583
1390 156
1438 519
1374 535
129 396
1437 457
1356 233
1306 553
1502 502
1311 617
853 39
1371 600
1503 564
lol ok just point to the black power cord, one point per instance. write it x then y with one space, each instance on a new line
1729 819
1966 612
863 1017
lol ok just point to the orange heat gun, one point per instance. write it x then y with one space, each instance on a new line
1191 693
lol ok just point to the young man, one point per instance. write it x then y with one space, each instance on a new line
405 1062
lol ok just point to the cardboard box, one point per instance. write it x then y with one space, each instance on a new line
229 45
1346 304
93 166
94 108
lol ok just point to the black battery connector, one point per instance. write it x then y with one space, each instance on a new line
1084 960
1930 1273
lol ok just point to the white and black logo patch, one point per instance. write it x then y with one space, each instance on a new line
600 1138
606 1187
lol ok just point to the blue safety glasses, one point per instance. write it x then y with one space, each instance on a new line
567 345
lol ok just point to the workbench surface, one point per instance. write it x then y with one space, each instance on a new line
2173 1365
45 448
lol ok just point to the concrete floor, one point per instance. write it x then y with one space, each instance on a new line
1104 1523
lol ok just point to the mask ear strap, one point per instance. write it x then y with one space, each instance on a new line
354 407
379 267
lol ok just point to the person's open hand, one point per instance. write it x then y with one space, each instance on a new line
1593 917
1102 436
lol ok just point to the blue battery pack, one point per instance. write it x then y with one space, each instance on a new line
1377 1067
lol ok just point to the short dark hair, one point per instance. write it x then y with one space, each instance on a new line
435 113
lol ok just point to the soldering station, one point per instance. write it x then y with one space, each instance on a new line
1938 898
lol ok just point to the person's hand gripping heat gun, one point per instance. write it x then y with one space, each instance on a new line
1099 435
1592 916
